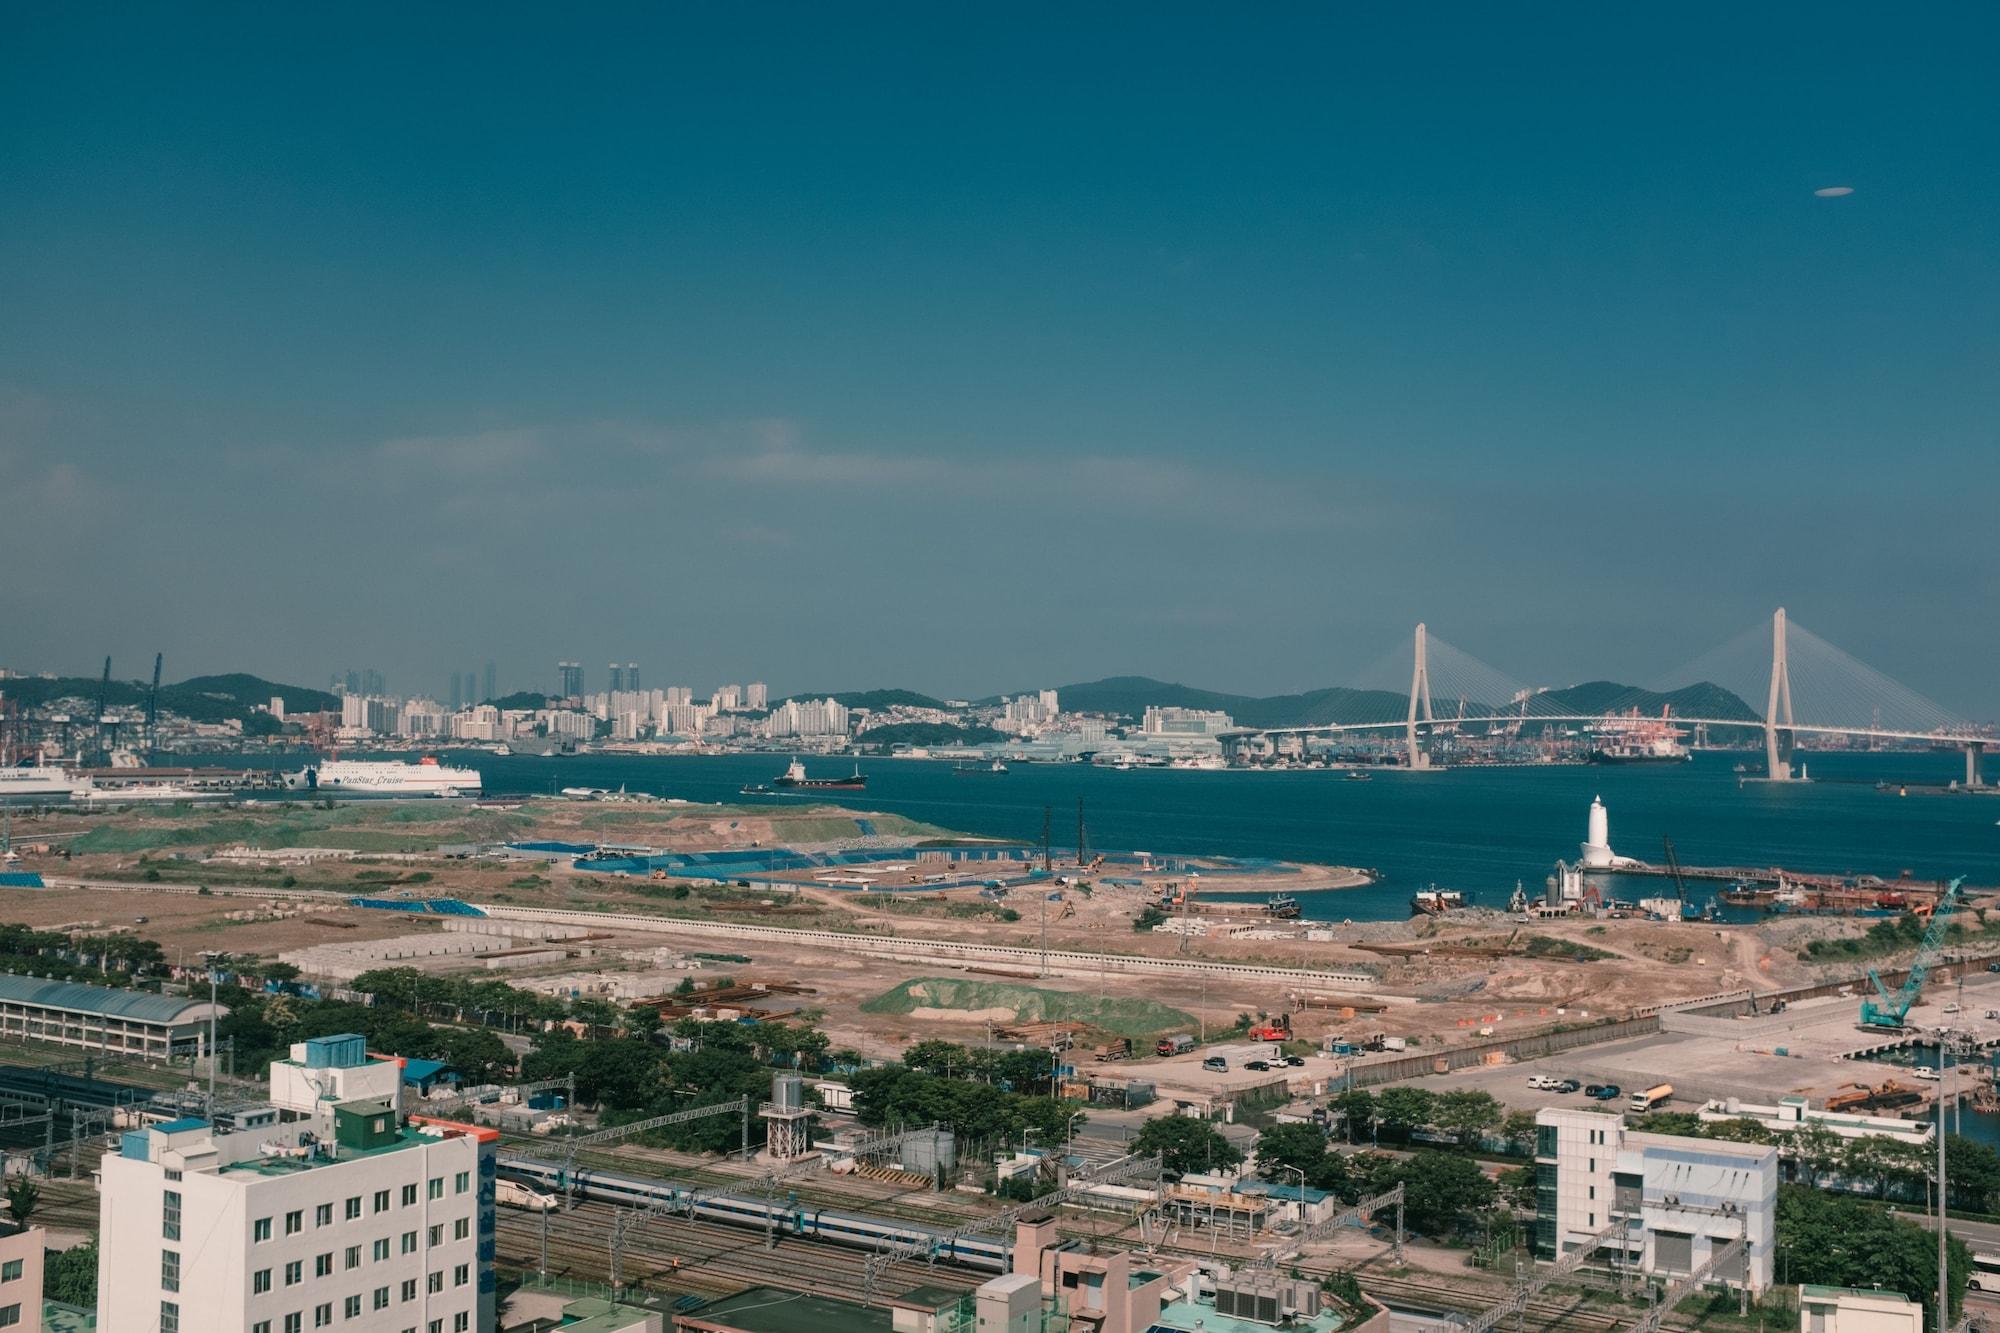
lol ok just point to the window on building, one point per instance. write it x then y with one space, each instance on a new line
323 1264
352 1259
354 1208
1546 1141
170 1270
381 1201
409 1289
295 1273
170 1317
261 1326
323 1215
381 1249
351 1308
260 1230
10 1315
434 1282
461 1182
435 1326
170 1214
323 1315
409 1195
295 1222
461 1275
10 1271
292 1322
460 1322
381 1301
409 1242
434 1236
461 1228
437 1187
260 1282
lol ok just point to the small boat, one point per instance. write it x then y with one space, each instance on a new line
1282 905
965 770
755 789
1356 775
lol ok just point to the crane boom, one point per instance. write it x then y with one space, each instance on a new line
1893 1009
153 712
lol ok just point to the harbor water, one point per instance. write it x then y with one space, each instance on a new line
1476 830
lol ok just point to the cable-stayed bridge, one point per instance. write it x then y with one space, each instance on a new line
1838 696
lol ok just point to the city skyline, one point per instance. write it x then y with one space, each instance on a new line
1216 351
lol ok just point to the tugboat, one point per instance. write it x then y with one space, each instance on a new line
1356 775
754 789
795 776
965 770
1282 905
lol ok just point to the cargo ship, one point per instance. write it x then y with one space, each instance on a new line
1628 738
795 777
1436 902
369 777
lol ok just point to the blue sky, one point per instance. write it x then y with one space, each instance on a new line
970 350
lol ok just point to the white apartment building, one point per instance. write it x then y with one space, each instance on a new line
1185 722
810 717
756 695
351 1219
727 698
1675 1200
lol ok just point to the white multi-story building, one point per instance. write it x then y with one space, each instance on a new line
727 697
808 717
1674 1200
1185 722
756 695
350 1219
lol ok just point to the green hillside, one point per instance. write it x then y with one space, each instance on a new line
1030 1004
200 698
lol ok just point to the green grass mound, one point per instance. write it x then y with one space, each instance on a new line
1030 1004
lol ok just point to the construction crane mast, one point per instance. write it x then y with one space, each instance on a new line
153 713
104 744
1893 1009
1674 869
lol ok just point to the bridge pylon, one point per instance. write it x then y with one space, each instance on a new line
1420 692
1779 737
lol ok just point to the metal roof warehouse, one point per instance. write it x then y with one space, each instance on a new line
102 1018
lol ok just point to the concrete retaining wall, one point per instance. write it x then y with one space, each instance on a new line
1392 1069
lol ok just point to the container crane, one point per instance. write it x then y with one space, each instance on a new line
1893 1009
105 744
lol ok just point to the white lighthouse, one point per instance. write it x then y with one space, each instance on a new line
1597 841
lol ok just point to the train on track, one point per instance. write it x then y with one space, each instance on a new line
984 1253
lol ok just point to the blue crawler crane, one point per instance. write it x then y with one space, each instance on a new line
1892 1010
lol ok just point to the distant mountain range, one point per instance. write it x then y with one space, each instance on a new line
1130 696
199 698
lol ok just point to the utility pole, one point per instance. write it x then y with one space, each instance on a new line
1047 811
214 958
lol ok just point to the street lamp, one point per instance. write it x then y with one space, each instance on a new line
214 958
1069 1133
1301 1173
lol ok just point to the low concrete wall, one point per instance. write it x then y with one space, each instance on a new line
902 949
1394 1068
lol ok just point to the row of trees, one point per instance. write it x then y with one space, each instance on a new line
113 960
1444 1192
1396 1113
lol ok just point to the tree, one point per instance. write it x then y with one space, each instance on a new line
1739 1130
70 1276
1285 1150
1467 1114
1358 1106
1840 1241
22 1196
1816 1149
1185 1144
1441 1190
1402 1109
1517 1188
1518 1128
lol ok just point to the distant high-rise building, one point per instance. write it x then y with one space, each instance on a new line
353 682
457 693
631 675
727 697
492 684
617 677
756 695
570 675
371 682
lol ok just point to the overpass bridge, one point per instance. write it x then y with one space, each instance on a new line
1850 687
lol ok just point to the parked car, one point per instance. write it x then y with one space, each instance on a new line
1540 1082
1592 1089
1259 1065
1569 1085
1923 1075
1216 1064
1607 1093
1296 1061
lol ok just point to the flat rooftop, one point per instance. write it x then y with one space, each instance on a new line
1186 1317
770 1310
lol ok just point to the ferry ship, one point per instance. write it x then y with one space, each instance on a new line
42 783
426 777
1628 738
795 776
87 792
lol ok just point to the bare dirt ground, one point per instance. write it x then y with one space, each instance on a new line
1445 979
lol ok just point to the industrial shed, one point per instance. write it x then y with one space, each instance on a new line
101 1018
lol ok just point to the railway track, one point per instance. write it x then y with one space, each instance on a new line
712 1259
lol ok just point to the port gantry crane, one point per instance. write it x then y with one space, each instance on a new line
1893 1009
